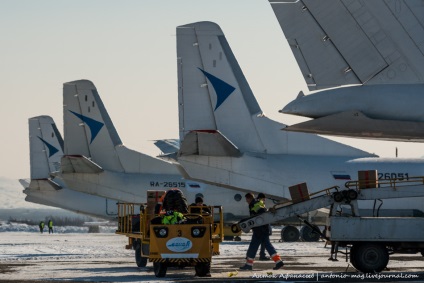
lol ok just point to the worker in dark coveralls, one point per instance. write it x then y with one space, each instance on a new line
262 255
260 235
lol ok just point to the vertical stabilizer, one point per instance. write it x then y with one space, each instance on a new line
46 147
85 116
211 81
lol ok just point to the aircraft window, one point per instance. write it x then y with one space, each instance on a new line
92 104
214 63
237 197
52 135
86 98
210 46
89 109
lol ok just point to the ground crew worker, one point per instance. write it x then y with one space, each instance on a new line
199 202
260 235
262 255
41 226
50 224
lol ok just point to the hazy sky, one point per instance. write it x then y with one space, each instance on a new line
127 48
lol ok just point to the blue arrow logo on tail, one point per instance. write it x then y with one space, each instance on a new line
95 126
52 149
222 89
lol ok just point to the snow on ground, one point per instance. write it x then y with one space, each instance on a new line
101 257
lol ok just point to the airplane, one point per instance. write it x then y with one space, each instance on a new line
46 150
227 140
96 161
374 50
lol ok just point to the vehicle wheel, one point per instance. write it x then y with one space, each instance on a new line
352 258
203 269
139 247
307 234
290 234
369 257
159 269
235 228
139 260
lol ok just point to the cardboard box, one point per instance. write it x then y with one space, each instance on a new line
299 193
368 179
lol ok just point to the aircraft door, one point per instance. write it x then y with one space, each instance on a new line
111 207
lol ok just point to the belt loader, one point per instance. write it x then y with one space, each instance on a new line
191 243
370 239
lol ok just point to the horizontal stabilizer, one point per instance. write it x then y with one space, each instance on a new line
43 184
79 164
356 124
208 143
168 146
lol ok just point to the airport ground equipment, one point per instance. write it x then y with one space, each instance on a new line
370 239
190 243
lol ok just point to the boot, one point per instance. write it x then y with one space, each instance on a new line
278 265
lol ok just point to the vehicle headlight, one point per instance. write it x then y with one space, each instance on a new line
196 232
162 232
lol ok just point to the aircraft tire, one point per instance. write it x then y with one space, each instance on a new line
352 194
307 234
290 234
369 257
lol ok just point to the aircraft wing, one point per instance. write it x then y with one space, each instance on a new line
207 142
79 164
354 42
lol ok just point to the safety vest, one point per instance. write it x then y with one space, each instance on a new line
256 207
172 217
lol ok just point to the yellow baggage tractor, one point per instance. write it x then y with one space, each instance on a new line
191 242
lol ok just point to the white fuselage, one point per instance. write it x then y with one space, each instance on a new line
274 174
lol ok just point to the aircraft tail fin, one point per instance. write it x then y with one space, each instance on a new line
210 82
214 96
85 116
46 147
